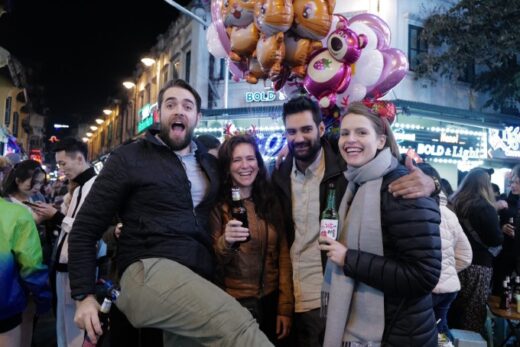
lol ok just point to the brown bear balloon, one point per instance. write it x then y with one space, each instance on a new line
313 18
272 18
243 34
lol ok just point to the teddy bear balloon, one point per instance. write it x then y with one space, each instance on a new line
329 69
243 34
273 18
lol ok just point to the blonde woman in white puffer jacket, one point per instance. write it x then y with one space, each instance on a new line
456 256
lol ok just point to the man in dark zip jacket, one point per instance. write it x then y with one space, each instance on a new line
163 188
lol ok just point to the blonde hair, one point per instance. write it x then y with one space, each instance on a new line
381 125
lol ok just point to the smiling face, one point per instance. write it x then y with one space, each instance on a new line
303 135
358 142
244 166
179 117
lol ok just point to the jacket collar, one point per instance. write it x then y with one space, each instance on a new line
151 137
86 175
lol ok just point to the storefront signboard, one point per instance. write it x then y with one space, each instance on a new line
504 143
267 96
147 116
437 142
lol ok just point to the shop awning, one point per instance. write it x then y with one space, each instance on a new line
456 115
244 112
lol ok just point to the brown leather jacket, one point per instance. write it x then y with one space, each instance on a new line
239 270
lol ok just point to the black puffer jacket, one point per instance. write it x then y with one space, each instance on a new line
409 269
144 182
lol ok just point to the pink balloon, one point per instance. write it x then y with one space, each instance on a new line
238 70
394 70
378 25
216 18
214 45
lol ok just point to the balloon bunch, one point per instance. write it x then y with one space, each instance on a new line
302 47
268 39
362 43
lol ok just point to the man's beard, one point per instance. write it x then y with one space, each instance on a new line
314 148
176 145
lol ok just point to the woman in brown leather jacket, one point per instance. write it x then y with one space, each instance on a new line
256 272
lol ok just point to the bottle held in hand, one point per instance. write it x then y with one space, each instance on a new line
103 320
239 212
329 217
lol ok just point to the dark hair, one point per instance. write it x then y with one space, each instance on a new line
496 188
181 84
266 203
515 172
446 187
71 146
381 125
209 141
22 171
301 104
473 188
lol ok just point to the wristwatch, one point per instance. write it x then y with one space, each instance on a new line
79 297
437 185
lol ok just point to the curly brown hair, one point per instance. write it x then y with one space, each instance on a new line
266 203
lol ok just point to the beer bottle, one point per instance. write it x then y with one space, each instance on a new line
329 216
505 299
103 320
238 211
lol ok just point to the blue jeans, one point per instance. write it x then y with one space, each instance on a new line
441 306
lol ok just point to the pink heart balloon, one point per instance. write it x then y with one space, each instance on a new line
378 25
394 70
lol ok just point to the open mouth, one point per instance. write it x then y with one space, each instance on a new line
178 126
237 14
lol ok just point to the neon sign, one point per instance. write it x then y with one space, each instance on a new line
451 144
267 96
147 116
505 143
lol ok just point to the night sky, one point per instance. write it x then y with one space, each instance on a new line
78 52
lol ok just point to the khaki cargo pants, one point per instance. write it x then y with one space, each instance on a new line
161 293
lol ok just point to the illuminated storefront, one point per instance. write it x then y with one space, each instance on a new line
148 115
265 121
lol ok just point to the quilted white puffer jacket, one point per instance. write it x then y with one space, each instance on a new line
456 250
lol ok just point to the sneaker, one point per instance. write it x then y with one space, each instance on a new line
443 341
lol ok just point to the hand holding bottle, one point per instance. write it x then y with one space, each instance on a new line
87 318
509 228
336 251
234 232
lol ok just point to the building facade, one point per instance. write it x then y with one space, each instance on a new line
443 122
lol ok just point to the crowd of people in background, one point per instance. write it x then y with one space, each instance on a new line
413 257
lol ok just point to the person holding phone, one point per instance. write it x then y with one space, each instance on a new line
20 186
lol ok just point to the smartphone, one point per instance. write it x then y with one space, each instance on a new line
30 204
